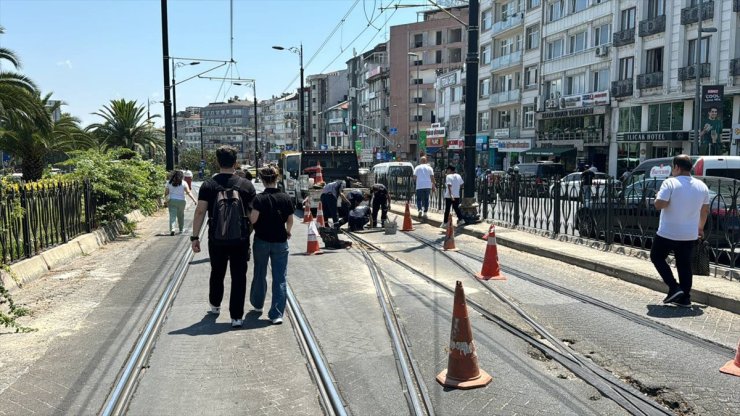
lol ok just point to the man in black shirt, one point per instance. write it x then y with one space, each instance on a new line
380 202
235 255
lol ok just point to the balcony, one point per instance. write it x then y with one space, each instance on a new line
506 61
511 22
505 97
690 15
624 37
652 26
651 80
622 88
735 66
689 72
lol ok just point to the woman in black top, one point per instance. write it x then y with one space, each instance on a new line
272 218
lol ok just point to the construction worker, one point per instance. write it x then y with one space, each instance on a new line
380 201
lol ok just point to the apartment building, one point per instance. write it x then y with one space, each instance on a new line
336 125
450 111
189 128
228 123
324 91
655 65
418 53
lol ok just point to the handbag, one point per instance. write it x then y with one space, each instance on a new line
700 258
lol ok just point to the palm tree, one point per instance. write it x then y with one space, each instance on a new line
125 125
18 94
31 144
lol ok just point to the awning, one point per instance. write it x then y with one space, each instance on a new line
549 151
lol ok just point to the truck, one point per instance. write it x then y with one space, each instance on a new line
335 164
289 166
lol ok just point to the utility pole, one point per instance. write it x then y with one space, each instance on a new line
469 205
353 97
169 154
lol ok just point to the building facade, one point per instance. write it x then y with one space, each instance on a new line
229 123
189 128
324 91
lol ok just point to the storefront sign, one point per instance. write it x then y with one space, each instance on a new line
436 136
662 171
576 112
514 145
336 133
493 143
481 143
501 133
711 119
587 100
336 120
653 136
448 80
455 144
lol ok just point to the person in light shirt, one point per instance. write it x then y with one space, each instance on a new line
424 177
453 185
683 202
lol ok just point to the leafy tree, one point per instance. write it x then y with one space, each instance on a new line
190 159
32 144
125 125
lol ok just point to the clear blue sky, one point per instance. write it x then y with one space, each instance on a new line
88 52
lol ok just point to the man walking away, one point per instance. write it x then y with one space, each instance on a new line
226 198
424 177
684 205
329 196
587 179
380 202
453 183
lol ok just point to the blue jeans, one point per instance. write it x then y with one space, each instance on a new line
422 199
277 254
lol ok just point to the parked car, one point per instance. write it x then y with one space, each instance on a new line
538 175
570 185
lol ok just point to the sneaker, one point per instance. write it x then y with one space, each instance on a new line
424 215
258 310
214 310
461 222
277 321
172 233
236 323
673 295
418 215
683 302
444 225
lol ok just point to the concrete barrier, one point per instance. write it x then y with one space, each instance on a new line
29 269
60 255
88 242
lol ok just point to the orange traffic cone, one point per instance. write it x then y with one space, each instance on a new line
449 244
462 366
307 217
491 269
733 367
320 215
485 236
319 178
312 244
407 225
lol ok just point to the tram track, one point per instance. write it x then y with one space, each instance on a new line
626 396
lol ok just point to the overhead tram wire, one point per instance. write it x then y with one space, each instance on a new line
364 9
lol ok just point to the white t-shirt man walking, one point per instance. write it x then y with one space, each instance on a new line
453 184
424 177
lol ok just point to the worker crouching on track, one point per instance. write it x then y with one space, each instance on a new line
359 216
380 201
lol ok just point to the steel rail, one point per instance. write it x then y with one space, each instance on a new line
399 341
602 380
327 381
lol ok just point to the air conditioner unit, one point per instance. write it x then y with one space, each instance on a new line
602 51
551 104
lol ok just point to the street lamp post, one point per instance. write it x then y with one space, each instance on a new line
301 103
174 105
695 146
254 97
416 116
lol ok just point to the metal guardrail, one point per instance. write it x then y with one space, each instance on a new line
34 218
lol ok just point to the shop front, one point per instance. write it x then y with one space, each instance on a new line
482 153
510 150
633 148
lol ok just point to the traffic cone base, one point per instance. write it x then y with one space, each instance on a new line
312 243
733 367
462 367
407 224
490 270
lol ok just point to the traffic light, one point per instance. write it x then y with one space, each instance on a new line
354 125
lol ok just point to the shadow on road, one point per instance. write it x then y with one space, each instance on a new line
209 326
670 311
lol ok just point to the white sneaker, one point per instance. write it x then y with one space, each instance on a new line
424 215
214 309
277 321
236 323
444 225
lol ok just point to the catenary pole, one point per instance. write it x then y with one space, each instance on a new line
469 205
169 154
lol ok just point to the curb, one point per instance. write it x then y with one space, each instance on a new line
28 270
714 299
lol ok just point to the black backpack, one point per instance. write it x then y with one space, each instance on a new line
229 224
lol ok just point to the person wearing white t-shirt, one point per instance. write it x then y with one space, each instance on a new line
174 193
424 177
453 184
683 202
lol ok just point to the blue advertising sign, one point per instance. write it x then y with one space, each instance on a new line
394 130
324 146
481 143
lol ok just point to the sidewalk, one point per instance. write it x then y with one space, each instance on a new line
625 263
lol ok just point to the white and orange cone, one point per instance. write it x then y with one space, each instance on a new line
320 215
407 224
733 367
491 269
449 244
312 243
307 217
319 178
485 236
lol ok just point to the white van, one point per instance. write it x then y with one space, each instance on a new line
396 176
719 166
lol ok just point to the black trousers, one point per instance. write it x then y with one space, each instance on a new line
449 202
380 202
329 206
682 251
236 257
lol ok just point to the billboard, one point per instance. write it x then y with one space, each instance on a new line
710 133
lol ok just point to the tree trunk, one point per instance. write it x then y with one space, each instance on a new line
33 167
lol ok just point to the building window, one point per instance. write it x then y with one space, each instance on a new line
654 60
455 55
506 83
555 49
483 121
504 119
505 47
704 58
578 5
533 37
485 54
555 88
630 119
665 117
626 67
531 4
438 57
602 35
418 40
601 80
575 84
455 35
418 81
484 87
577 42
628 19
530 76
486 20
655 8
438 38
528 120
556 10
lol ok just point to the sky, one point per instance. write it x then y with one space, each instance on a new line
88 52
